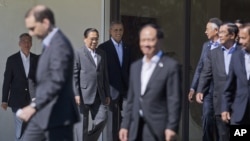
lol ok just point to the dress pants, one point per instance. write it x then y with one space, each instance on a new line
208 119
223 129
19 126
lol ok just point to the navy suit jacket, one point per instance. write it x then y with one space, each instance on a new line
161 102
17 88
214 70
118 75
55 102
235 98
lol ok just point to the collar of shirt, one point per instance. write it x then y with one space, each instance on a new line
214 44
230 50
155 58
115 43
47 39
91 51
24 56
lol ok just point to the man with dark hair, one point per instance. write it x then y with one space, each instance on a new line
119 59
53 113
153 109
92 89
208 122
236 98
19 81
216 68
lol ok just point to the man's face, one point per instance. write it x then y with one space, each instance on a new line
244 38
91 41
224 35
149 42
38 29
116 32
211 31
25 43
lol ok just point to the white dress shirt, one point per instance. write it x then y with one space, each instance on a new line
26 63
93 54
247 64
119 50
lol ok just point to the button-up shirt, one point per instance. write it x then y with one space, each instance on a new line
119 50
26 63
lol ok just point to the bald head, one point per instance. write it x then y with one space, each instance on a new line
41 12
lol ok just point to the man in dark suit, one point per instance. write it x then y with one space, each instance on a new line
216 68
154 96
118 58
208 122
92 89
19 81
54 110
236 98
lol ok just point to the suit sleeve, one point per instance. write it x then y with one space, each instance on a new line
173 98
8 75
206 74
198 69
230 89
130 99
60 64
76 74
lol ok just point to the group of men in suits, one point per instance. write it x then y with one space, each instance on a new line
70 84
221 80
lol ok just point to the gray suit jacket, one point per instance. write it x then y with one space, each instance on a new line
161 102
55 101
214 70
90 79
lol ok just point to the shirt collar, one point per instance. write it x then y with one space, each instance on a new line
115 43
155 58
90 50
23 55
231 50
47 39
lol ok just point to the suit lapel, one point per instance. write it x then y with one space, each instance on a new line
113 50
138 78
20 63
88 55
158 68
98 56
243 66
220 59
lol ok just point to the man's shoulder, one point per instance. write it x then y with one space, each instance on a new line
15 55
105 44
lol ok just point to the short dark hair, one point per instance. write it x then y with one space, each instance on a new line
232 28
247 26
88 30
24 35
115 22
159 31
41 13
215 21
240 21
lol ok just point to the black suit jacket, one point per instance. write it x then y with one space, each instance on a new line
55 102
161 102
118 75
214 70
236 96
17 88
89 78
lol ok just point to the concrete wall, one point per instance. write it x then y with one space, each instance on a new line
72 16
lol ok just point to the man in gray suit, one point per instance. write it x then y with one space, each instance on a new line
216 68
54 110
92 86
154 95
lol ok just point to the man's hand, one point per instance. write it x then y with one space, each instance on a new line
4 105
107 101
225 116
123 134
199 98
26 113
78 101
190 95
170 135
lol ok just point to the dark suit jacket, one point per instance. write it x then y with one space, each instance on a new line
236 95
89 78
55 101
118 75
161 102
17 88
214 70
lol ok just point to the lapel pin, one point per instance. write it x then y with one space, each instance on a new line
160 64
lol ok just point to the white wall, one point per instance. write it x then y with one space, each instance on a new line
72 17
